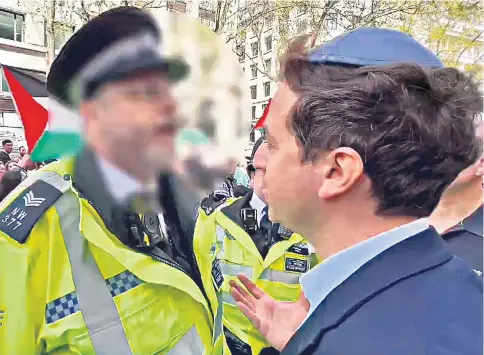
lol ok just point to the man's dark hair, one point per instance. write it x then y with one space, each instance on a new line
6 141
413 127
10 181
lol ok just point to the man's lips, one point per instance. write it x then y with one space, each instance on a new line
166 129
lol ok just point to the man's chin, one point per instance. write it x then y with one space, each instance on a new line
160 160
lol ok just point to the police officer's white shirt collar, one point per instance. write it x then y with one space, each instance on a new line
257 204
121 185
320 281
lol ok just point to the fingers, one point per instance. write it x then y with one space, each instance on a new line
253 289
303 301
250 314
242 296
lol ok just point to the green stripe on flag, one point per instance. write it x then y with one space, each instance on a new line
54 145
62 136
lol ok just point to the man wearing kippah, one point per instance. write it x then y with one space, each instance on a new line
80 272
373 129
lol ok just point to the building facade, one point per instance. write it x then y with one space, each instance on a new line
21 46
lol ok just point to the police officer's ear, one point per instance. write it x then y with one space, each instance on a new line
91 111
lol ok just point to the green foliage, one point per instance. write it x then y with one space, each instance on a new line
452 29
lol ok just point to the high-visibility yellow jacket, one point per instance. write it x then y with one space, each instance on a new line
69 286
223 250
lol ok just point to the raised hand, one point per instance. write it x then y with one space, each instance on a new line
277 321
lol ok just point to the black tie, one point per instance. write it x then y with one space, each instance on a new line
265 222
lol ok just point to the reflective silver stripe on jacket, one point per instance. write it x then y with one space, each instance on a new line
217 331
220 233
95 301
227 298
189 344
234 269
288 278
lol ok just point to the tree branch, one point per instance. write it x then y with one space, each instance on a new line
468 46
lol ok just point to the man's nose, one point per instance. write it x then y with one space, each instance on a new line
168 105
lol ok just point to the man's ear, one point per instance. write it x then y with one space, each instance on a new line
89 110
340 170
480 166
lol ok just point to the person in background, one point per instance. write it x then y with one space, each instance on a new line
22 151
235 235
361 150
7 145
240 175
10 180
2 171
459 214
15 173
10 165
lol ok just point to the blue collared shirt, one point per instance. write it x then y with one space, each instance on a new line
318 283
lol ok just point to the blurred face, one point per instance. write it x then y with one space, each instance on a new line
290 185
2 167
8 147
133 123
22 151
260 163
10 165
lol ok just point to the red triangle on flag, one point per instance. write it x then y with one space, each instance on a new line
262 119
33 115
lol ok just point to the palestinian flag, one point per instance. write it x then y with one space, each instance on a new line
261 121
51 130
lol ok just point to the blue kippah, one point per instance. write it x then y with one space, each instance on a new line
368 46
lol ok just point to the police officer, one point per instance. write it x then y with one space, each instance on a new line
80 273
235 236
459 214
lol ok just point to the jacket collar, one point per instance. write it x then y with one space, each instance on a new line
473 223
233 211
413 255
91 184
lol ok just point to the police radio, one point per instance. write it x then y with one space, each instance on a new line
249 219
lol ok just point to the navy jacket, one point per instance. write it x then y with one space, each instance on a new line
466 239
415 298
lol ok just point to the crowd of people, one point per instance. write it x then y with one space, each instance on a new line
14 169
355 228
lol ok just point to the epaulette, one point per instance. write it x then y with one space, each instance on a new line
285 232
210 203
40 193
